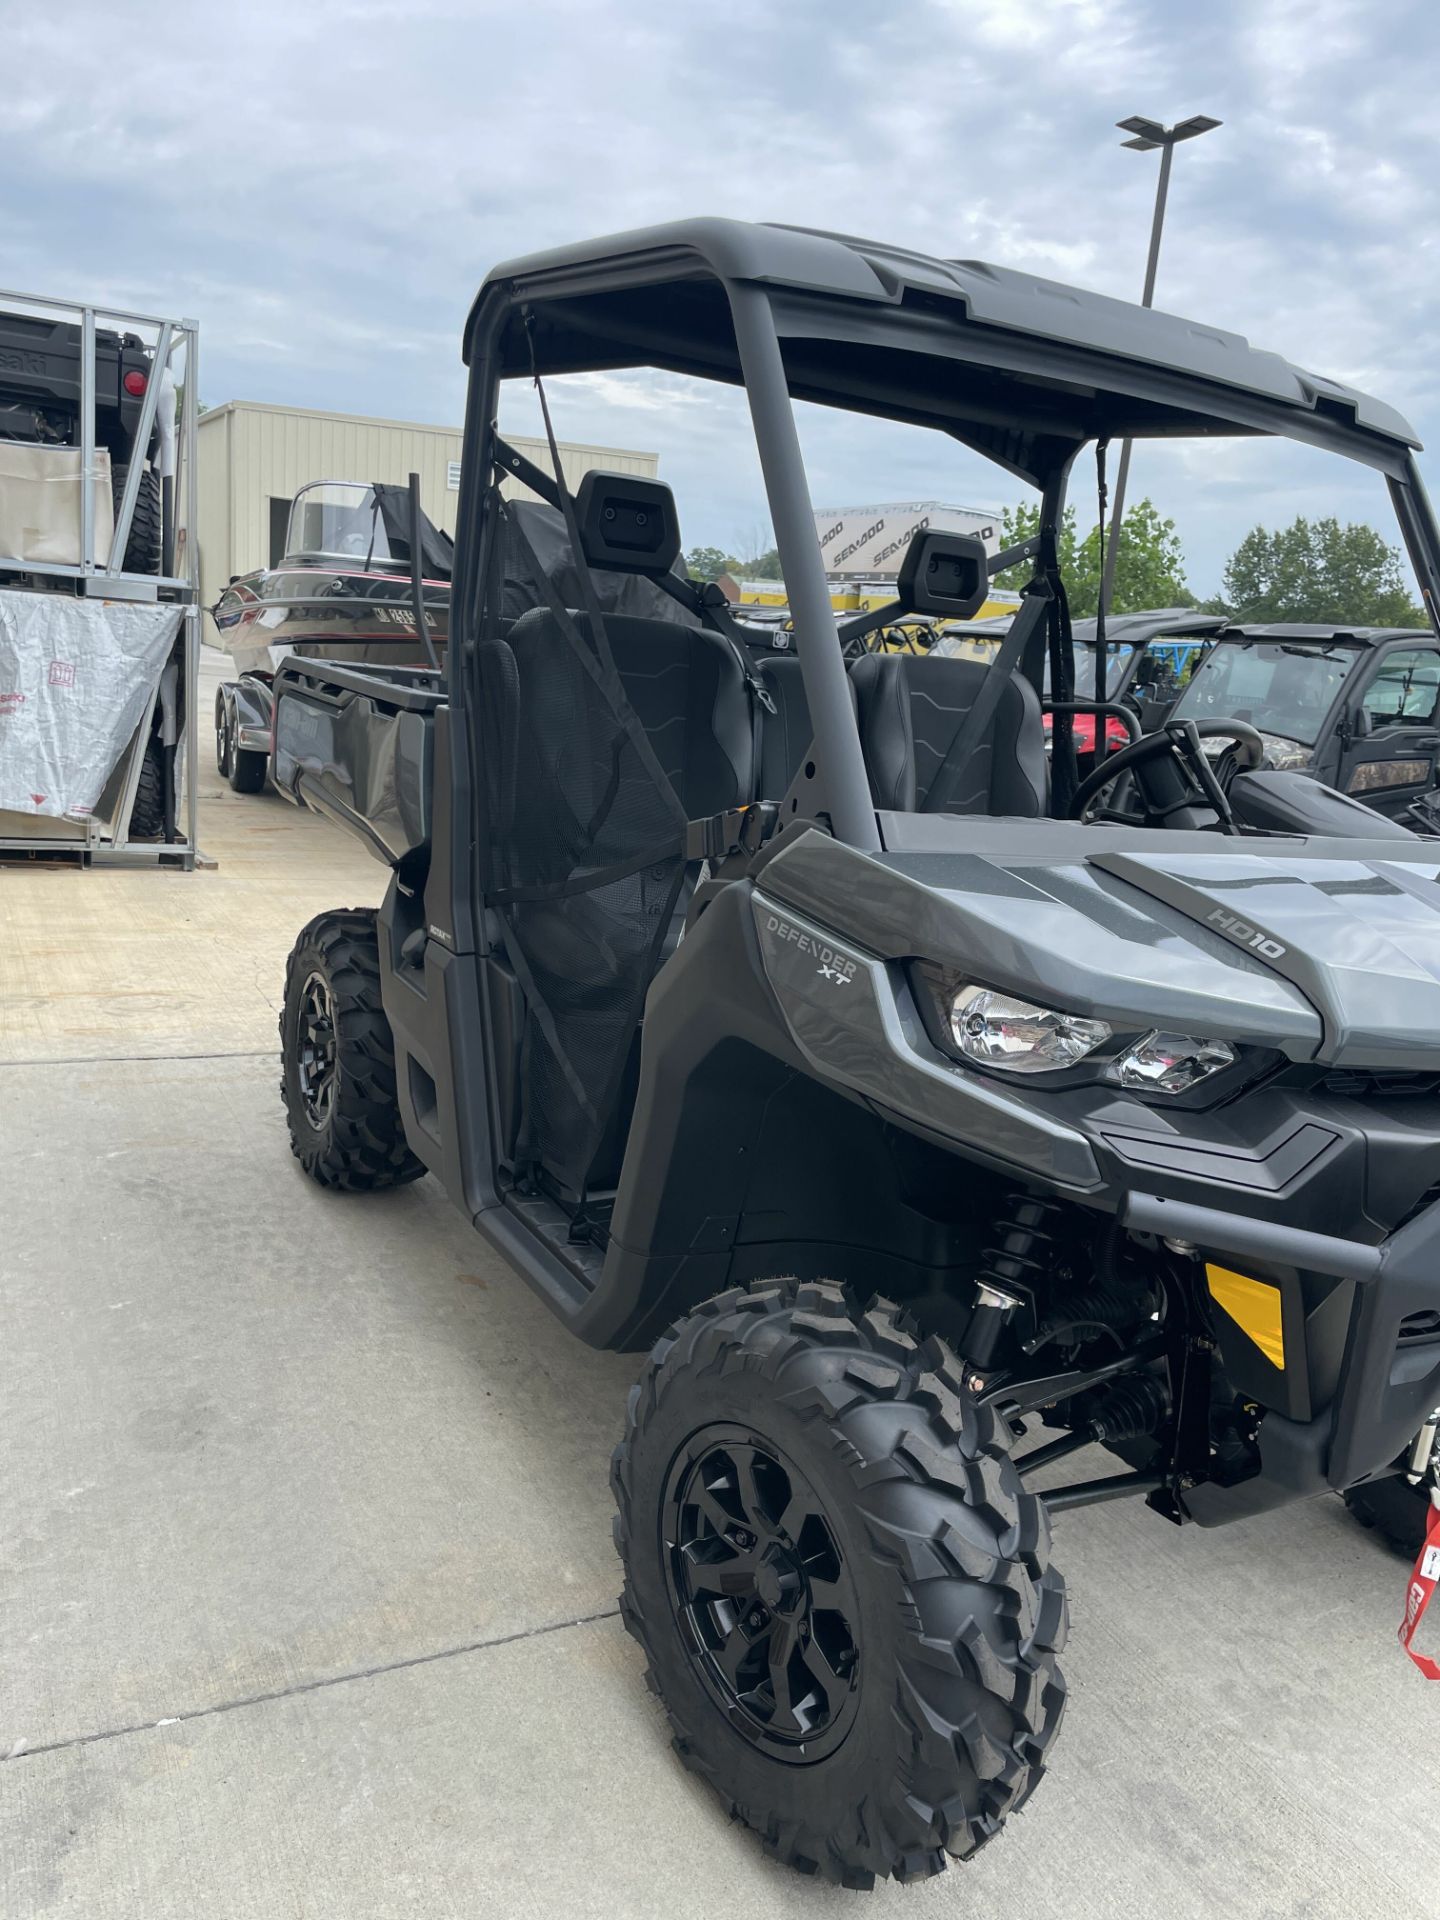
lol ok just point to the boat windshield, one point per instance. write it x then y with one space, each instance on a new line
338 520
1278 686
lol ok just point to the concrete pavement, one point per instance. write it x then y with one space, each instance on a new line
306 1585
130 961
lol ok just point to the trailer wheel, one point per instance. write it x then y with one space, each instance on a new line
143 548
841 1588
224 737
248 767
338 1058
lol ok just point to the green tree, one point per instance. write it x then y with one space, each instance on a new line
1319 571
1149 570
762 566
1021 523
708 563
1149 567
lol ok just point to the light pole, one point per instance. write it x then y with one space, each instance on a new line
1148 134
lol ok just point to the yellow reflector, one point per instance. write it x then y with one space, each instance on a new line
1254 1306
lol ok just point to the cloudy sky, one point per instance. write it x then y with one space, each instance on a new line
323 183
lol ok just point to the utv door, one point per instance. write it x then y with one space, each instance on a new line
1391 748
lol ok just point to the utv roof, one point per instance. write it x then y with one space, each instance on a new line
1121 629
1323 635
1053 366
1138 629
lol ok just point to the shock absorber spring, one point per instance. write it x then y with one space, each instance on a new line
1021 1253
1132 1409
1104 1309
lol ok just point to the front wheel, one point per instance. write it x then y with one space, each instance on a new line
338 1059
841 1587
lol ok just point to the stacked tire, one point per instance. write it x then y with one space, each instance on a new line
144 548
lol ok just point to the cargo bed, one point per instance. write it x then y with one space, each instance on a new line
356 743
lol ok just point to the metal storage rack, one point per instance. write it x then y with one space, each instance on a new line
172 343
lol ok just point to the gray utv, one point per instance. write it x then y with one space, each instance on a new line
810 1026
1357 707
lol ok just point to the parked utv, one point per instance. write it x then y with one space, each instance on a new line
40 398
797 1022
1148 660
1148 657
1357 708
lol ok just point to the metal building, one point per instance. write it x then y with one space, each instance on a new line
253 457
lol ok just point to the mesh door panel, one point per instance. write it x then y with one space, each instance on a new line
585 862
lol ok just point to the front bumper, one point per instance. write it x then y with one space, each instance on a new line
1388 1380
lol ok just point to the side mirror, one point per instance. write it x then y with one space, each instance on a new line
946 574
627 524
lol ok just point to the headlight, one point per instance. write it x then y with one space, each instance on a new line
994 1030
1172 1062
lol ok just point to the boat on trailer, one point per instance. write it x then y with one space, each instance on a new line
344 590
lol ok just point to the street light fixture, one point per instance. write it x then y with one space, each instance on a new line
1148 135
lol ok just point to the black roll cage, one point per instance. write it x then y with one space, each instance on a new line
873 335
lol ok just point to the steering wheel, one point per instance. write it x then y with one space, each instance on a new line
1250 751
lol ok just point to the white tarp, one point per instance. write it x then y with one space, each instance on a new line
75 679
40 504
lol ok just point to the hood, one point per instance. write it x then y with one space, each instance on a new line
1359 937
1328 951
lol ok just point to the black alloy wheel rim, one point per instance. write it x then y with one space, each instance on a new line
222 740
315 1064
764 1597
